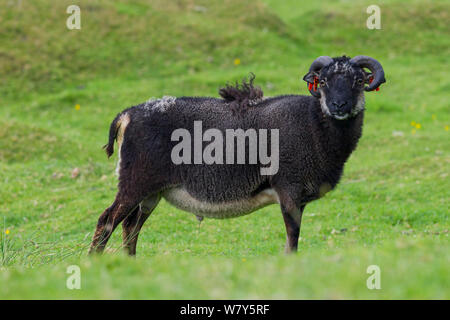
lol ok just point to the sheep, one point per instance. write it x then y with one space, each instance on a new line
316 134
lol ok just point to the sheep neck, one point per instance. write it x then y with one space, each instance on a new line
337 139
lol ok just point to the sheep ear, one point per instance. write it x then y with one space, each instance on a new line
312 86
309 77
368 77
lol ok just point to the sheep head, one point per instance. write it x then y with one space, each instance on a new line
340 83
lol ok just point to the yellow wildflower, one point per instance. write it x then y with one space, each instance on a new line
237 61
413 123
77 107
446 128
413 131
7 231
418 126
433 116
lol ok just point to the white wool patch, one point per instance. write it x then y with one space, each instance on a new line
359 104
342 67
162 104
254 102
122 124
355 110
183 200
323 104
149 102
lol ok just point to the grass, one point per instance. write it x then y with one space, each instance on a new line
390 209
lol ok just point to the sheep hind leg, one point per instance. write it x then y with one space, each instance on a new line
108 222
133 223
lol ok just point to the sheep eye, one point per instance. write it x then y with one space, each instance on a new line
360 81
322 83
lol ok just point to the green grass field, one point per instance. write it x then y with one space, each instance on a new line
60 89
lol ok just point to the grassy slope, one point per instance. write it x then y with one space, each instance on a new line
392 203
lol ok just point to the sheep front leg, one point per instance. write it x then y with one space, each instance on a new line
292 216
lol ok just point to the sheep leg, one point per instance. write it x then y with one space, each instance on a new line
292 216
108 221
133 223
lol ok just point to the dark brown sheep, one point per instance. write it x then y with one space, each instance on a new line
316 135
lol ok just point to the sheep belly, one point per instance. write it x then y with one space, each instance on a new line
183 200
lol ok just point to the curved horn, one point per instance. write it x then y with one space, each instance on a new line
319 63
374 66
315 67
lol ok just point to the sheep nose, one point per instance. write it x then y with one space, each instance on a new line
339 104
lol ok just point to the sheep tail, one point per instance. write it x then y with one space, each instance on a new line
113 130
